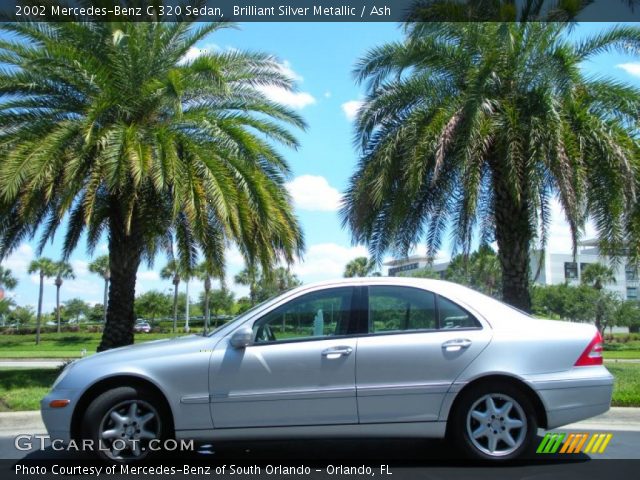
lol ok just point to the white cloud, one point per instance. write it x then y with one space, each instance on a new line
313 193
286 69
234 258
18 261
327 94
195 52
325 261
103 248
84 288
559 238
351 108
630 68
80 268
148 275
297 100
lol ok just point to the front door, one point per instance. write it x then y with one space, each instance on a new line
300 370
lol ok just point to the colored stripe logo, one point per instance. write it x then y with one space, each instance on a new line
574 443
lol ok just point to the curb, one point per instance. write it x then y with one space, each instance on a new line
21 422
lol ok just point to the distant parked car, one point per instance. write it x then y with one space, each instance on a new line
142 326
385 357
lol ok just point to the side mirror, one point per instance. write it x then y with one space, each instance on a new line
242 338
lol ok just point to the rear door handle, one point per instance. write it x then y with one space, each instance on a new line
456 344
337 352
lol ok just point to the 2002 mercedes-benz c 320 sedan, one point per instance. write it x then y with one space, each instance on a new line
374 357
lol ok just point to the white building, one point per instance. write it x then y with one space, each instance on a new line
556 268
562 267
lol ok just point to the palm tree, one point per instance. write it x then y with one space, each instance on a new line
359 267
249 276
204 272
45 268
597 276
63 271
7 281
126 136
100 266
479 126
480 270
172 271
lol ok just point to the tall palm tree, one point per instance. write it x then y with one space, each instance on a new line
173 271
45 268
479 126
63 271
7 280
204 272
359 267
111 125
100 266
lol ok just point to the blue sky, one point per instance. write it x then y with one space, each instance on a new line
321 57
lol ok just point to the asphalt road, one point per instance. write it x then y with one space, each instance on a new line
623 445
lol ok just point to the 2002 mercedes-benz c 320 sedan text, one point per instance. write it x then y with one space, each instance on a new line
373 357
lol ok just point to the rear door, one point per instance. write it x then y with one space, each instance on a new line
417 344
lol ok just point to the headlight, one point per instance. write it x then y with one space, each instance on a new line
63 374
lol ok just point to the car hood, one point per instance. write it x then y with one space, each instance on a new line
162 347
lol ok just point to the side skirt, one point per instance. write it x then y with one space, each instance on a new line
369 430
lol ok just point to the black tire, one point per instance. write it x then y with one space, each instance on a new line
462 423
98 419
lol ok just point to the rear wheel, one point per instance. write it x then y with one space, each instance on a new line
494 422
122 422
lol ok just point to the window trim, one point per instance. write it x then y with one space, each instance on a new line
354 292
437 296
473 317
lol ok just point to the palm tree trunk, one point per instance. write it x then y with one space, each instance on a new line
105 300
125 250
206 310
513 235
39 316
58 306
175 306
186 309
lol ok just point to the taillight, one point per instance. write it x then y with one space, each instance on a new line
592 355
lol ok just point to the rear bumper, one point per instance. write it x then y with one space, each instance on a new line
581 393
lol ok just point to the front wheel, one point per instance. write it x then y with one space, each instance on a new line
494 422
122 422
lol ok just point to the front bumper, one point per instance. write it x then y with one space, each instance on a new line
58 420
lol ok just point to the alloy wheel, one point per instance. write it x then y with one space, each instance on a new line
496 424
127 428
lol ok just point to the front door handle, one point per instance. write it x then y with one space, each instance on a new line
337 352
456 344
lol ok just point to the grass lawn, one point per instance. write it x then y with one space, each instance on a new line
626 390
633 354
63 345
22 388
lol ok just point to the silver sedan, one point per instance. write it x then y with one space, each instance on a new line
372 357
